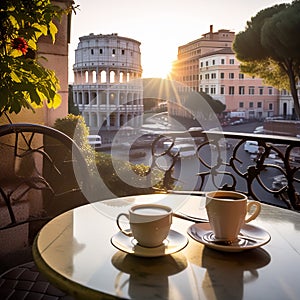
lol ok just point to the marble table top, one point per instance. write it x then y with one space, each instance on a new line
75 252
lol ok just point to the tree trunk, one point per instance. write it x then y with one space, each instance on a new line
294 90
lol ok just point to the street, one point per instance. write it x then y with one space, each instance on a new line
186 169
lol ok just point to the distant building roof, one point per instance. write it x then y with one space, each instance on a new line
226 50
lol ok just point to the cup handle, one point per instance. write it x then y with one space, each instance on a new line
124 231
255 213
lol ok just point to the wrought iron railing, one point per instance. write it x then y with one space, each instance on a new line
36 157
270 174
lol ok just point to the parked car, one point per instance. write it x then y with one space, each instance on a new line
95 141
251 146
279 182
237 122
184 150
259 129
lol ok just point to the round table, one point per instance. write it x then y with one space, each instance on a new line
75 252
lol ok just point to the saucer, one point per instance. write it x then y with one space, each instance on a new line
253 237
174 242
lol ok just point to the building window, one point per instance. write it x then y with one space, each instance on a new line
101 51
113 52
206 76
241 76
222 75
201 64
261 90
92 51
231 90
222 61
270 106
222 90
231 61
270 90
200 76
259 104
213 89
251 90
231 75
251 104
241 104
206 63
206 89
123 51
213 75
241 90
213 62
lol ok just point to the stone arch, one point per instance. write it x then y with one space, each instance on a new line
93 119
129 98
79 99
93 99
122 98
102 97
85 98
112 98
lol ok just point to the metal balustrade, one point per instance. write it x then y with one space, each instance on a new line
40 158
271 175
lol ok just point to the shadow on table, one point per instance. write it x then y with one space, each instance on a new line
227 273
148 277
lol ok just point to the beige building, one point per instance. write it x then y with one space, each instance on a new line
209 65
221 78
186 68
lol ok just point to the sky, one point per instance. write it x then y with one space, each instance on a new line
160 25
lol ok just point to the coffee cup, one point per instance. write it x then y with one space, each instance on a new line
227 211
149 223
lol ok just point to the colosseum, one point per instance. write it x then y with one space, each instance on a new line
108 88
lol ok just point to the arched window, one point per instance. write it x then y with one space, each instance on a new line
94 76
121 77
112 76
103 76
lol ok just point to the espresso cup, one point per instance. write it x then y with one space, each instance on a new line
149 223
227 212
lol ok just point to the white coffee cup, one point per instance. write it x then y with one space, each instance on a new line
227 212
149 223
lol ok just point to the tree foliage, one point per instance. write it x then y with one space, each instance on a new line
269 47
24 82
195 103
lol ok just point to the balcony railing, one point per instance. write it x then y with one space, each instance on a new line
270 174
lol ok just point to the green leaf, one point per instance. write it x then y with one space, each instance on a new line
15 77
32 44
24 82
55 103
42 28
53 30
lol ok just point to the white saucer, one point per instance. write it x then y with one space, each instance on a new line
257 237
174 242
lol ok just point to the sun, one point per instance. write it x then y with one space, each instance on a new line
156 66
